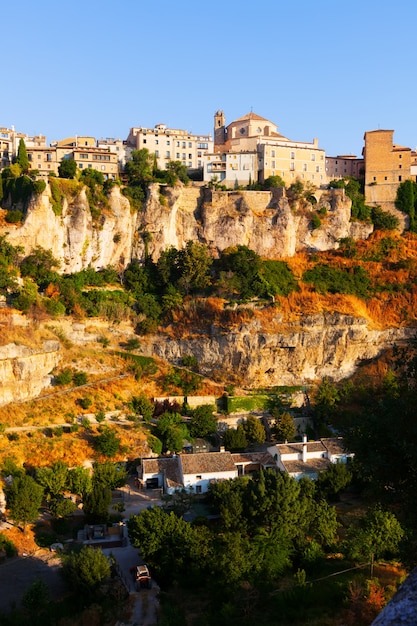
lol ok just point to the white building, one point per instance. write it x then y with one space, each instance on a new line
171 144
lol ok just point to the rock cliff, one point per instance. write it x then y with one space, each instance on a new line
264 221
25 372
327 344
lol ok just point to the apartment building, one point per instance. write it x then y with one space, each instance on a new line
344 165
276 155
169 144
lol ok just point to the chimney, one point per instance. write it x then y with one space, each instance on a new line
304 448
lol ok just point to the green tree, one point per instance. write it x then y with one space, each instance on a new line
179 171
22 156
67 168
111 475
54 479
107 443
379 533
140 405
333 480
254 430
171 431
283 425
24 498
273 182
234 439
86 571
193 267
79 481
96 503
406 200
203 422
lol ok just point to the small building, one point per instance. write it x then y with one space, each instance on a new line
309 458
250 462
186 471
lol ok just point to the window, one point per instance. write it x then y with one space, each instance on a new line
198 489
90 165
80 165
103 167
386 178
168 154
168 142
273 164
157 153
272 153
178 144
83 155
202 146
177 155
145 140
313 157
156 142
190 145
199 154
190 164
190 156
292 155
184 155
374 178
318 168
400 156
399 178
292 166
304 167
400 166
184 143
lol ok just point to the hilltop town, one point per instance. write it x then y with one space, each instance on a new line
207 362
247 150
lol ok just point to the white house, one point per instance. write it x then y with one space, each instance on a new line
309 458
187 471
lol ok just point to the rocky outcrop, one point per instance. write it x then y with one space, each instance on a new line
328 344
74 237
24 372
262 220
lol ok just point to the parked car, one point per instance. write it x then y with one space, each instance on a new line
142 577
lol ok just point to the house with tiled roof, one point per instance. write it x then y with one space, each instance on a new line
186 471
309 458
250 462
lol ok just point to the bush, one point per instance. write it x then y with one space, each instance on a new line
315 222
79 378
85 402
108 443
64 377
13 216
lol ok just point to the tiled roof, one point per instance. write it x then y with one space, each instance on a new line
297 448
251 116
263 458
168 467
207 462
334 445
311 466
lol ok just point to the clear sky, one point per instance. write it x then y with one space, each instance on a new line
316 68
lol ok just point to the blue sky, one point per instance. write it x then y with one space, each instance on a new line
317 68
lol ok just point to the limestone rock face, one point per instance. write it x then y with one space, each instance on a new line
320 345
75 238
264 221
25 372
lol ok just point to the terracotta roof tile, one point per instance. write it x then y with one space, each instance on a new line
311 466
207 462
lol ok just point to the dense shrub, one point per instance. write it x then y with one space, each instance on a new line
328 279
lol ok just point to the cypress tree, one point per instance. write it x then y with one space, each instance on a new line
22 156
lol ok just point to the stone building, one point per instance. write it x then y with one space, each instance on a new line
387 165
276 155
169 144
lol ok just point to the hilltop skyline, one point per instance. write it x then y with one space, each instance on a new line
314 69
